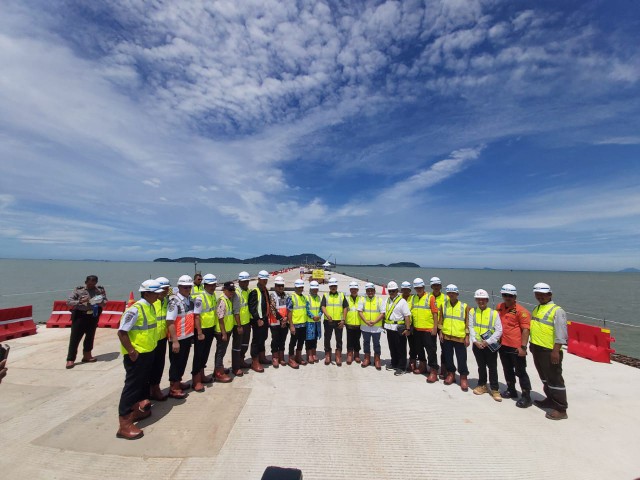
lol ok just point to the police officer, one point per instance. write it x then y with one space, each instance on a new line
138 341
334 306
87 303
181 327
259 310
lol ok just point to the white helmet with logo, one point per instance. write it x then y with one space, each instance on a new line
480 293
369 286
333 281
354 285
435 281
508 289
263 275
405 285
541 288
392 285
209 279
313 285
418 282
164 282
185 280
278 280
451 288
150 286
298 283
244 277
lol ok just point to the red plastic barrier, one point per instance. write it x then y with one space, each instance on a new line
60 315
590 342
16 322
111 313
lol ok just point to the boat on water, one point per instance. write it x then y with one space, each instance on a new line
329 422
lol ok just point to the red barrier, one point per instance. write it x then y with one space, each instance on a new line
60 315
590 342
111 313
16 322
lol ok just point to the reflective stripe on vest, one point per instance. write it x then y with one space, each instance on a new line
229 319
453 323
184 321
143 335
299 311
371 311
441 300
484 322
280 306
160 306
208 317
352 315
334 305
542 326
245 316
421 311
389 310
196 289
259 306
314 305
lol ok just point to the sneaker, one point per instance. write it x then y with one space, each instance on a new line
495 394
480 389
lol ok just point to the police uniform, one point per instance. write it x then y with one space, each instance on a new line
84 320
180 312
278 325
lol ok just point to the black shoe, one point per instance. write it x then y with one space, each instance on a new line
399 371
525 401
509 394
389 367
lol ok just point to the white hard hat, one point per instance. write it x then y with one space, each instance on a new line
405 285
164 282
209 279
150 286
298 283
333 281
435 281
185 280
541 288
451 288
243 276
369 285
392 285
354 285
314 284
480 293
279 280
263 275
418 282
508 289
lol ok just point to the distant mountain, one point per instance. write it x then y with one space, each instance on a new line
304 258
404 264
629 270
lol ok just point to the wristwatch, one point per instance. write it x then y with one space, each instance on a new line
524 347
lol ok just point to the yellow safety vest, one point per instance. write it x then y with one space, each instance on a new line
421 311
352 315
196 289
262 315
485 320
160 307
314 305
245 316
229 320
334 305
389 307
543 331
208 317
453 323
143 334
371 311
441 300
299 311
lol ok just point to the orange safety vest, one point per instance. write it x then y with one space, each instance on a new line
281 307
184 322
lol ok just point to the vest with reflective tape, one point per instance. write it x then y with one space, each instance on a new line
390 307
160 306
453 323
196 289
229 319
352 314
299 310
314 305
485 320
184 321
371 311
208 317
243 296
143 334
542 326
334 305
261 314
281 307
441 300
421 311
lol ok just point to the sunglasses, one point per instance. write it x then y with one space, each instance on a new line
508 295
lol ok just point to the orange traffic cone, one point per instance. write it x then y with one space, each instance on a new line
131 300
384 290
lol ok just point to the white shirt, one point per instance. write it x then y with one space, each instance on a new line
497 333
130 317
367 328
173 310
399 312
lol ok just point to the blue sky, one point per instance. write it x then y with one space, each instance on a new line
449 133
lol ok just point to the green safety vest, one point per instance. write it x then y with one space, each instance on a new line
371 311
485 320
453 323
441 300
196 289
352 315
143 334
334 305
229 319
245 316
208 316
160 307
314 305
542 327
421 311
299 311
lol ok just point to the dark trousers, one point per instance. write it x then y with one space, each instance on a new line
259 338
158 361
82 323
367 337
353 339
136 381
514 366
329 329
487 360
297 339
419 342
221 350
238 343
448 348
442 362
551 376
278 338
178 361
202 349
397 348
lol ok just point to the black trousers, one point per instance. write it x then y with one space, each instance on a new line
397 348
136 381
353 339
448 349
551 376
259 338
329 329
221 350
158 361
487 360
278 338
296 342
514 366
178 361
202 349
82 323
420 342
238 343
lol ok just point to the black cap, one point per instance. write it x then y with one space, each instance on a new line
229 286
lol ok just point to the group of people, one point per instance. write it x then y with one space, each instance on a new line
194 315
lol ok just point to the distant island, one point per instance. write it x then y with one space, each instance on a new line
302 259
629 270
404 264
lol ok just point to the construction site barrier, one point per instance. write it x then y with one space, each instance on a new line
588 341
16 322
111 314
60 315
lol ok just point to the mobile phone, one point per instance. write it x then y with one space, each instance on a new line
4 352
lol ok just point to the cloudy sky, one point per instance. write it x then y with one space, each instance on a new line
450 133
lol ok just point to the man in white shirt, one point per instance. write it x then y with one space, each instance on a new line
371 312
397 323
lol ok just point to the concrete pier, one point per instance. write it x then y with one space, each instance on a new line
332 423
